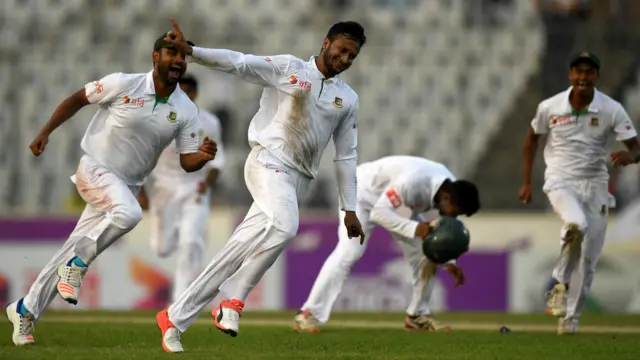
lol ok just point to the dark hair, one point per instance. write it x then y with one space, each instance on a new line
464 194
349 29
190 80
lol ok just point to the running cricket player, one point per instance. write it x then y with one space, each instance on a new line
138 116
384 186
178 201
578 122
304 104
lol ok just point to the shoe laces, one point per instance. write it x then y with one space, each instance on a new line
72 275
26 325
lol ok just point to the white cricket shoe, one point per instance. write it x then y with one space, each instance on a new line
226 316
567 326
557 301
22 325
305 322
170 335
71 276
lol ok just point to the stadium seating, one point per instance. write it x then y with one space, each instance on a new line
428 84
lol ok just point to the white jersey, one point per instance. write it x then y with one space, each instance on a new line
169 174
300 111
393 181
132 126
577 145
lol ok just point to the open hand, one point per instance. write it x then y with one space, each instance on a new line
354 228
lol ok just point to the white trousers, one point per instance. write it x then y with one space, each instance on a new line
269 226
337 267
178 221
112 210
584 203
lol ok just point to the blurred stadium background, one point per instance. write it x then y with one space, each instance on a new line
455 81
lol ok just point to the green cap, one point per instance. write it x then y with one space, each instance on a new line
585 56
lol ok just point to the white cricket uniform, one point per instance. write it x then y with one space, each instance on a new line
576 179
178 212
121 147
384 186
300 111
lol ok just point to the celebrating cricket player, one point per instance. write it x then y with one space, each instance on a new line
138 116
304 105
384 186
578 122
179 202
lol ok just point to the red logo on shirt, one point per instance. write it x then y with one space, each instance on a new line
394 198
628 127
127 99
301 83
268 59
99 87
138 102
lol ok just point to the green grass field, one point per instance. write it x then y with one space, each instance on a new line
133 335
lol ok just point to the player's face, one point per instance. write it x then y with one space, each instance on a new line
446 207
583 77
170 64
338 55
191 92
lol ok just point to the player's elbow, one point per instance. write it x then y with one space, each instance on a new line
191 162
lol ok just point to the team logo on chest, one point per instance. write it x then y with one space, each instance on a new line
594 121
337 102
173 117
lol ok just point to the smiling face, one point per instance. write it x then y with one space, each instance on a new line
338 54
169 64
583 77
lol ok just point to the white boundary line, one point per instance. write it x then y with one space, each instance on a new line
355 324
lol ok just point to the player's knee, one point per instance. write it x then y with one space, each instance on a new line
287 227
127 216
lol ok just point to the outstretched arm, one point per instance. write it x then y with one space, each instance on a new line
265 71
101 92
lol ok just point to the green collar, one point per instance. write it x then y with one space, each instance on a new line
160 100
575 112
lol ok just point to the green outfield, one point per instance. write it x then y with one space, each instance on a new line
133 335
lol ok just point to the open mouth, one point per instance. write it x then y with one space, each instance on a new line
175 71
582 85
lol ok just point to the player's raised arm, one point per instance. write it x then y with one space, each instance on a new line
384 211
539 126
100 92
265 71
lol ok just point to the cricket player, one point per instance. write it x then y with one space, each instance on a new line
304 104
138 116
178 201
578 122
384 186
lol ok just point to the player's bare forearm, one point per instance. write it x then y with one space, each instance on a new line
633 146
67 108
529 155
193 161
